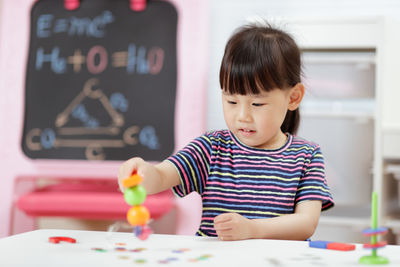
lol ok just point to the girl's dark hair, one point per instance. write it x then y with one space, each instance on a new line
262 58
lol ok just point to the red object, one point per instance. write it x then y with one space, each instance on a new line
146 232
89 199
341 246
71 4
376 245
58 239
138 5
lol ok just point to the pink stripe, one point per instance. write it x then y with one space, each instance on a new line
238 151
298 140
251 201
316 164
199 160
259 165
207 228
263 163
203 168
184 175
316 196
253 186
308 177
252 196
275 152
327 205
202 148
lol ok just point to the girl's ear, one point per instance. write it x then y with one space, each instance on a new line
296 95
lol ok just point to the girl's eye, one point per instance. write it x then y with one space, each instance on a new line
258 104
231 102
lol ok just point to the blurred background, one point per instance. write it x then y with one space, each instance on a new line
350 63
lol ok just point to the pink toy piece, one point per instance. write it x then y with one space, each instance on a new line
58 239
375 246
146 232
142 232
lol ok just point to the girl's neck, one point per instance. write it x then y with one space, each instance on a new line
278 141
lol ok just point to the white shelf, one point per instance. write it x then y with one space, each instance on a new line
355 58
355 223
356 217
353 109
394 169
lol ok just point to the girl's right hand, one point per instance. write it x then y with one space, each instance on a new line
136 165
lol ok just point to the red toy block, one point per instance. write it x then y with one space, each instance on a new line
341 246
58 239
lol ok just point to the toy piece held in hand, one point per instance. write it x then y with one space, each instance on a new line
138 215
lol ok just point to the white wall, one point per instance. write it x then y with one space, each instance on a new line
226 15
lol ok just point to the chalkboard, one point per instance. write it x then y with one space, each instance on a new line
101 81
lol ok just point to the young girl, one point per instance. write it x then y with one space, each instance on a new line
257 179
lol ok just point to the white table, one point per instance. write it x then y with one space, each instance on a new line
124 249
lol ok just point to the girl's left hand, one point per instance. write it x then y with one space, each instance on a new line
232 226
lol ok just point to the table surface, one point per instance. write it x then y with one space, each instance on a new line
124 249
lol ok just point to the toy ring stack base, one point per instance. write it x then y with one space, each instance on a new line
138 215
371 259
374 246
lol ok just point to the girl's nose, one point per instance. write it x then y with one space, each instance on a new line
244 114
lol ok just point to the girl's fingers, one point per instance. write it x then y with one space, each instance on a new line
125 171
222 226
222 218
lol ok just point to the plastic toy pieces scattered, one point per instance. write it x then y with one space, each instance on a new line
201 258
58 239
138 215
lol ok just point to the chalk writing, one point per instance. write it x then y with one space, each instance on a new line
58 65
118 101
136 60
47 25
80 113
47 138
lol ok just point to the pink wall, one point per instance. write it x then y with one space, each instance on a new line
190 115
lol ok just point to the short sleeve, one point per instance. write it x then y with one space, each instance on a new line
192 164
313 184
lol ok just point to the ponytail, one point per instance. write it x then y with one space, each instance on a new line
291 122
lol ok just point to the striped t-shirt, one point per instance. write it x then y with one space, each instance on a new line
256 183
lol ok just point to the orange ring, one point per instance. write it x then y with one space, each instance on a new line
131 181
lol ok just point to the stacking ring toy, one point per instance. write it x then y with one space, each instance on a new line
138 215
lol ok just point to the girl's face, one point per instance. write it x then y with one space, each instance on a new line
256 119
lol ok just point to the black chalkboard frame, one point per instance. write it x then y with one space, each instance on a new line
140 122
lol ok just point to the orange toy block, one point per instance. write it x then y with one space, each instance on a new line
131 181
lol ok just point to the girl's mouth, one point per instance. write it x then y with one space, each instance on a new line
246 132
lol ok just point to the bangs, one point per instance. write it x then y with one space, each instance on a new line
246 78
255 61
